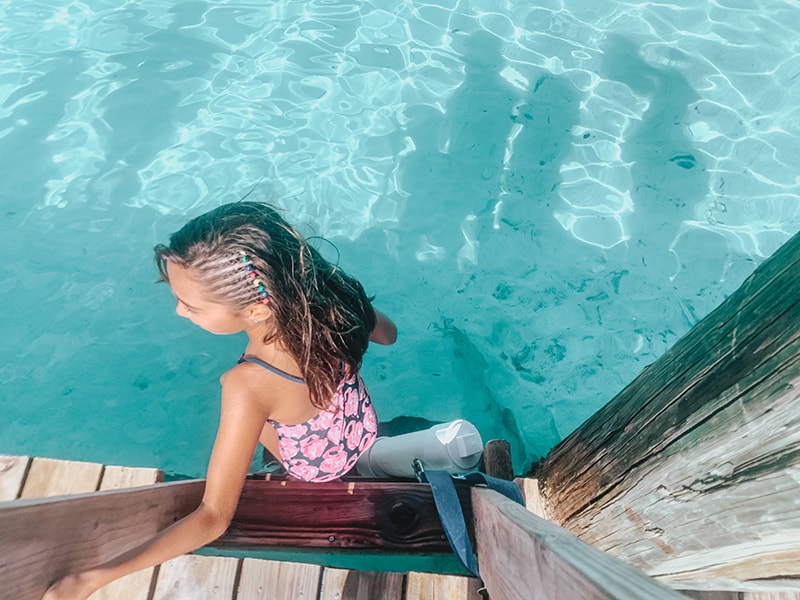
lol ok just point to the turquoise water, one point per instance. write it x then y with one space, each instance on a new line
544 196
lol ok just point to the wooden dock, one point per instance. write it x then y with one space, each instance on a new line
521 556
688 480
196 577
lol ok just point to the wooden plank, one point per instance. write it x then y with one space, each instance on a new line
534 502
691 473
496 459
711 595
44 539
519 553
429 586
193 576
135 586
265 579
51 477
115 478
12 475
389 515
341 584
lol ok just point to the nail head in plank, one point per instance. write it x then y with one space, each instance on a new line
266 579
12 475
193 576
52 477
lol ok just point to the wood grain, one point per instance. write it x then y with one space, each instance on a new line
12 475
53 477
340 584
43 539
116 477
135 586
429 586
193 577
389 515
692 473
265 579
521 556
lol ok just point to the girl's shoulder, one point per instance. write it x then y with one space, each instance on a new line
269 388
246 383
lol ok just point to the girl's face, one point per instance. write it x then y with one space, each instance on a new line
193 305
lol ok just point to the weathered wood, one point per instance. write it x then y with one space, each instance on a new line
12 475
390 515
340 584
429 586
770 595
88 529
52 477
43 539
711 595
496 459
135 586
692 473
522 556
533 497
115 478
193 576
265 579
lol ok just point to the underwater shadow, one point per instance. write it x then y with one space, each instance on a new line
455 171
481 184
27 162
142 115
668 174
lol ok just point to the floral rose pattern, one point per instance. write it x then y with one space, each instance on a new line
328 446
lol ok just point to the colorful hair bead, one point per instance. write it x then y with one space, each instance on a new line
253 276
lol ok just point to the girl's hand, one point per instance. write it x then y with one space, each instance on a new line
385 331
71 587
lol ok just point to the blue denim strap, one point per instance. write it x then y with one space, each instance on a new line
451 515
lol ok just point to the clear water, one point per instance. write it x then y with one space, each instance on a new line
544 196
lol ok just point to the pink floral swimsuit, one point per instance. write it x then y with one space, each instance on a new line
328 445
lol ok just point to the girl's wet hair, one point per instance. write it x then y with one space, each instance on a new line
322 316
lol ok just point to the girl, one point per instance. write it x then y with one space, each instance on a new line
296 387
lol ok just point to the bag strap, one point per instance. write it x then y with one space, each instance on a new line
451 515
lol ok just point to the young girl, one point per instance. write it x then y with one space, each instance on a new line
296 387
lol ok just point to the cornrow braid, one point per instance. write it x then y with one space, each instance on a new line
322 316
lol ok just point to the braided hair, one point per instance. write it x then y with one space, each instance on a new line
322 316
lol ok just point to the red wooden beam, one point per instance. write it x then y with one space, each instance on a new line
358 514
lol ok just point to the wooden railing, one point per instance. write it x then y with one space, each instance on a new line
42 539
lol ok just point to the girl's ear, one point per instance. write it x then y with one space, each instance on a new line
258 311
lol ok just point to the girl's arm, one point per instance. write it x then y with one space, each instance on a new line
241 421
385 331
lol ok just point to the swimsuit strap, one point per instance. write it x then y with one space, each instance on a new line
269 367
